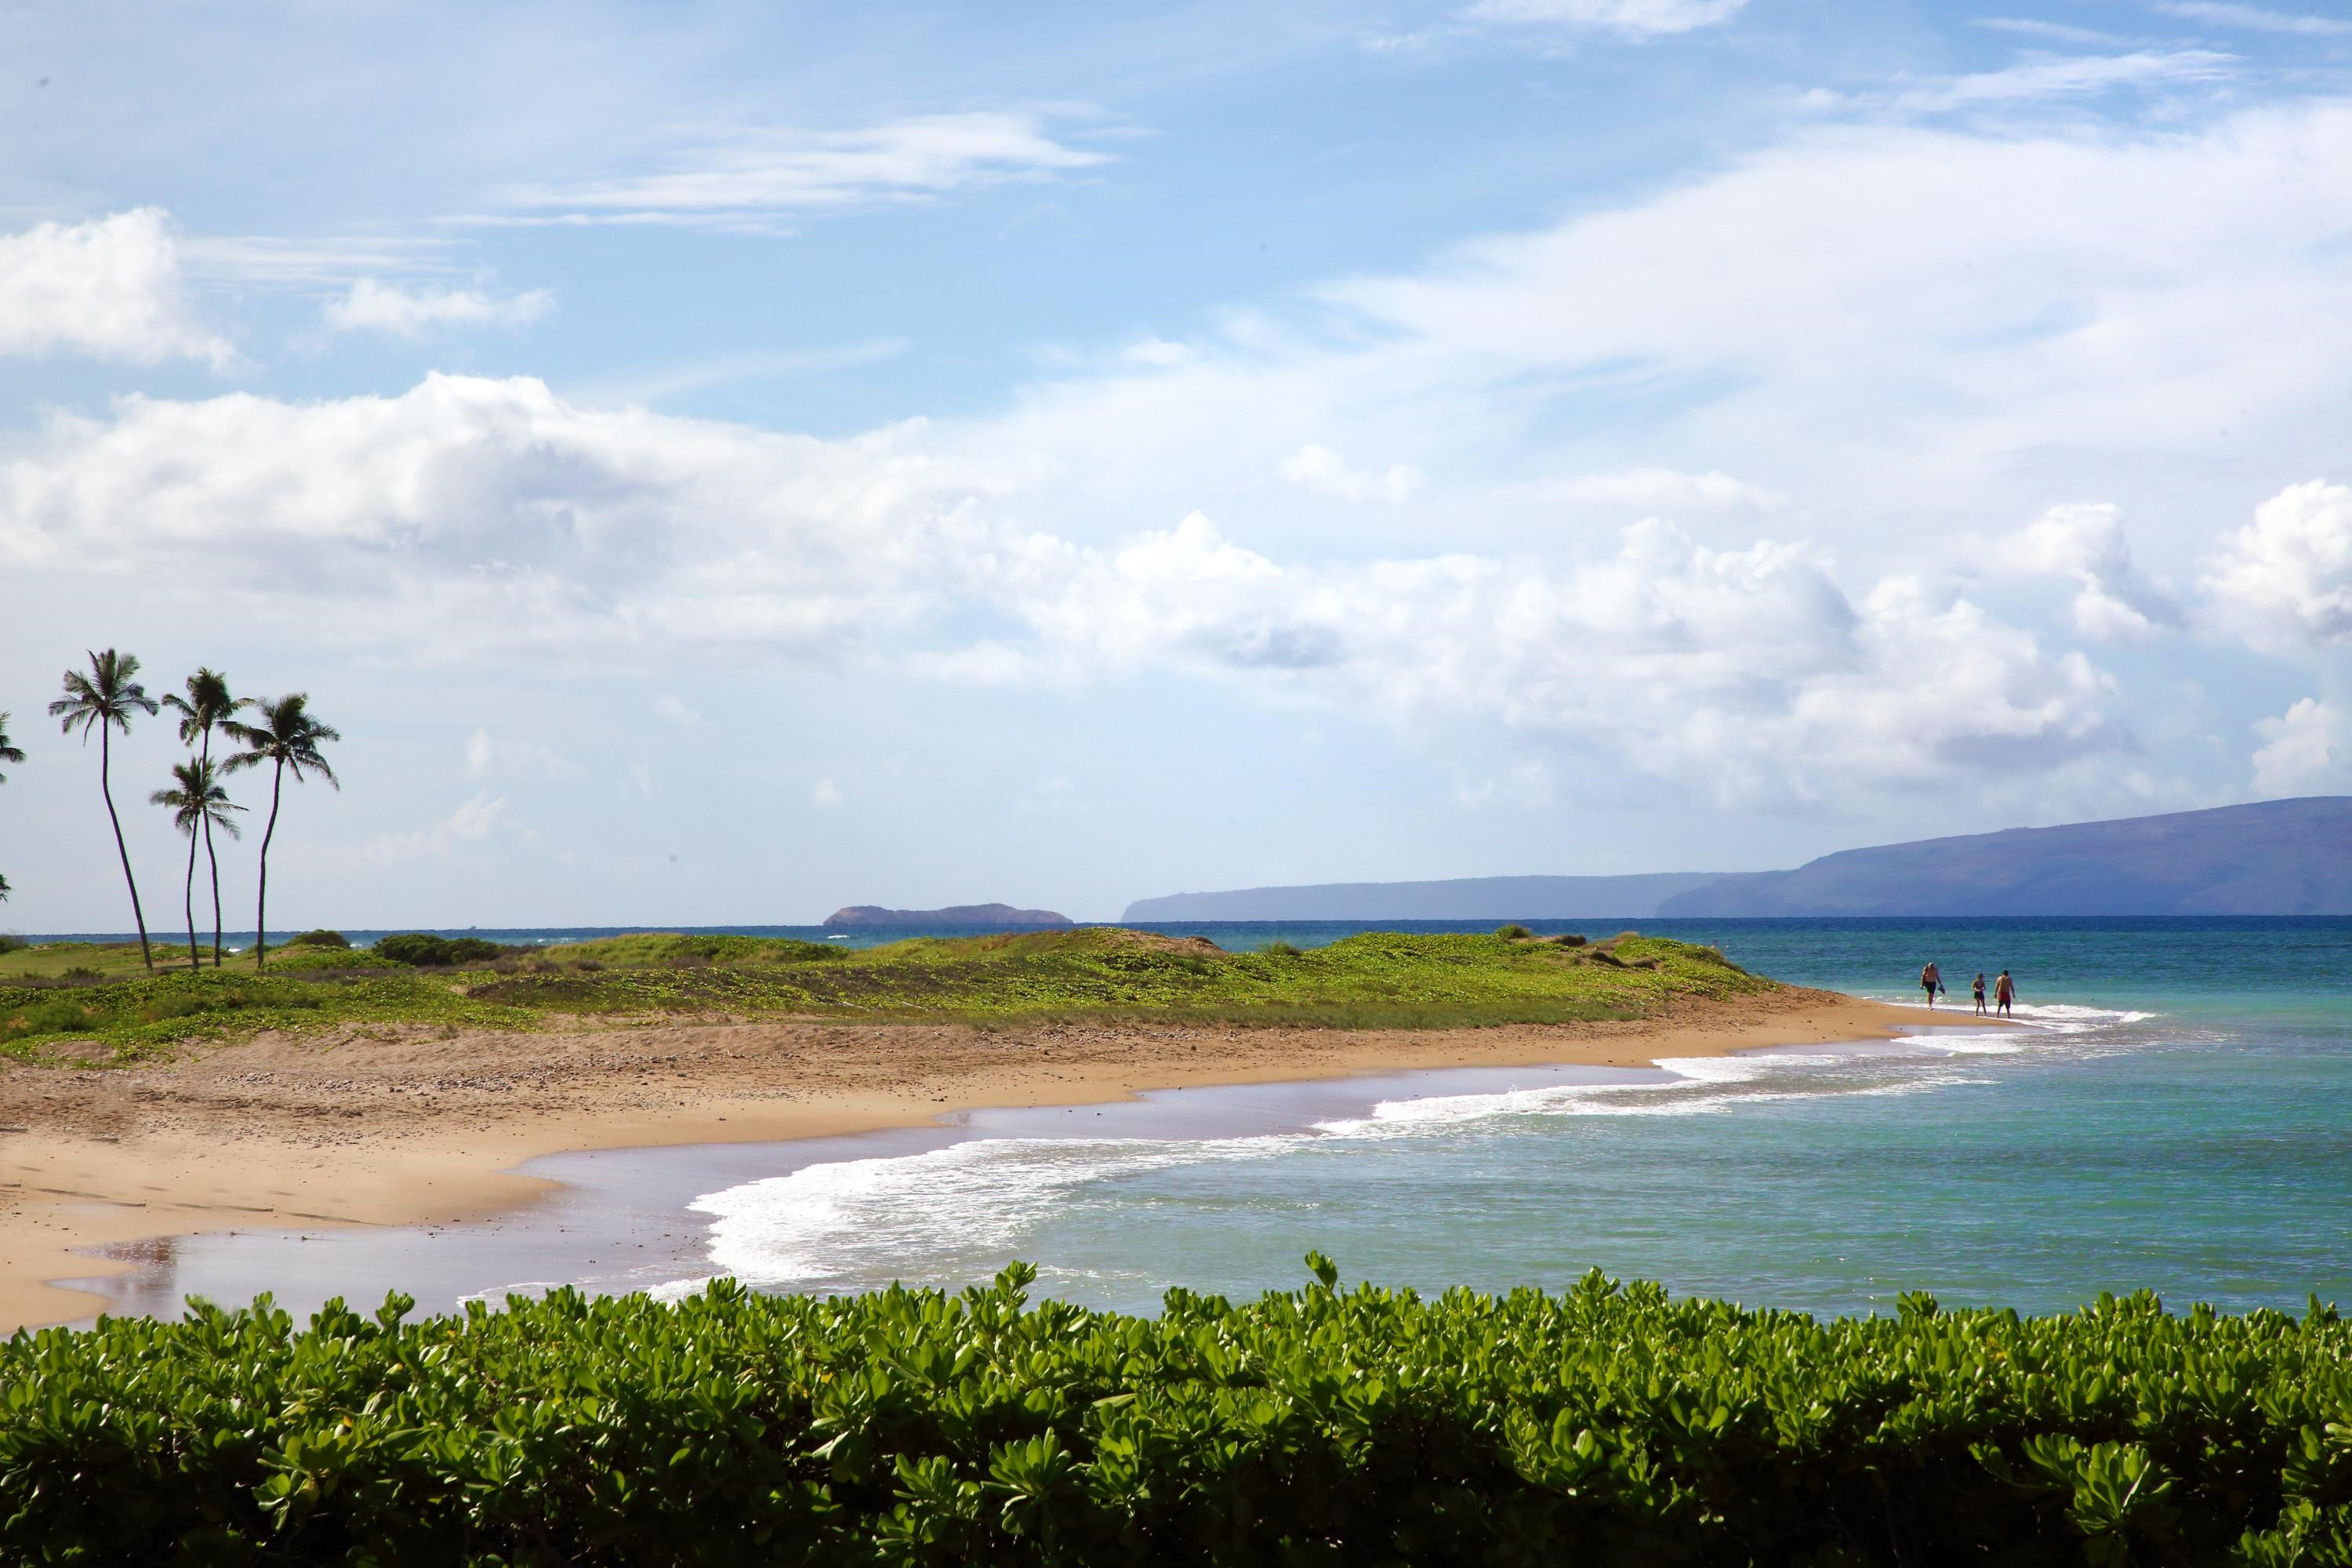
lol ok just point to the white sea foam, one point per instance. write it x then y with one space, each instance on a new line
496 1295
962 1207
862 1218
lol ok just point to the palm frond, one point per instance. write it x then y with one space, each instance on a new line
106 695
198 799
287 737
8 754
207 705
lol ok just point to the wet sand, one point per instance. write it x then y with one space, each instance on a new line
420 1128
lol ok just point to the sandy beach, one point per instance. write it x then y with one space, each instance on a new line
399 1126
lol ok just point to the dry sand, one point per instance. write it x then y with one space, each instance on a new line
396 1125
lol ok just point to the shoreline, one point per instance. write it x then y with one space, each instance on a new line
409 1126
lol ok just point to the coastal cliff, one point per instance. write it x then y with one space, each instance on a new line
2266 858
2270 858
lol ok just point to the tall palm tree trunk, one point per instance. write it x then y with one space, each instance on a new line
188 900
213 860
261 907
105 745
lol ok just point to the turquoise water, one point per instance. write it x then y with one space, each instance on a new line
2177 1116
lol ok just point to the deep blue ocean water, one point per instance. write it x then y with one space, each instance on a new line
2178 1117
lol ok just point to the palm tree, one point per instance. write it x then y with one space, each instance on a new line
104 700
206 707
198 802
8 754
287 737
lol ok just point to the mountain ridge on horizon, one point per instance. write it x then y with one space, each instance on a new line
2264 858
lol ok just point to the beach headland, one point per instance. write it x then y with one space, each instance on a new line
412 1124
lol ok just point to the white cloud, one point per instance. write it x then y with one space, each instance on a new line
2114 601
487 756
473 821
756 176
2256 18
2285 579
1658 490
1916 316
1913 307
283 259
474 515
824 793
2060 77
1157 352
1321 468
1747 675
109 286
2035 27
1636 17
471 515
475 817
373 305
2308 752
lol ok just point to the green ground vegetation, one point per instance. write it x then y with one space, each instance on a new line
1603 1425
89 1003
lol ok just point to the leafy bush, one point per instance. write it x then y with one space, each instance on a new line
1513 932
319 939
1278 948
11 942
1603 1425
46 1015
421 950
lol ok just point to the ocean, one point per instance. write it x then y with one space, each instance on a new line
2177 1117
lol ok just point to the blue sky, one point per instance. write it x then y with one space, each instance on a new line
716 463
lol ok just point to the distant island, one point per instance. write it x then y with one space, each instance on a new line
2270 857
996 917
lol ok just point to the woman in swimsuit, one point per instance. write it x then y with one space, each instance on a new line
1978 991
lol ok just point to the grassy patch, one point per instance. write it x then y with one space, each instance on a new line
1380 980
109 960
124 1021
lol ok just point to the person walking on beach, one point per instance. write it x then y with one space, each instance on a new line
1979 989
1931 981
2003 992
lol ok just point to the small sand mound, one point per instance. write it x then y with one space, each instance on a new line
1154 942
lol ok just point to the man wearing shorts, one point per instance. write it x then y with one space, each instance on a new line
1931 981
2003 992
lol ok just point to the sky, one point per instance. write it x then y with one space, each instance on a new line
718 462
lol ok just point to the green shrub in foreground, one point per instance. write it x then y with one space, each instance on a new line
1601 1426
